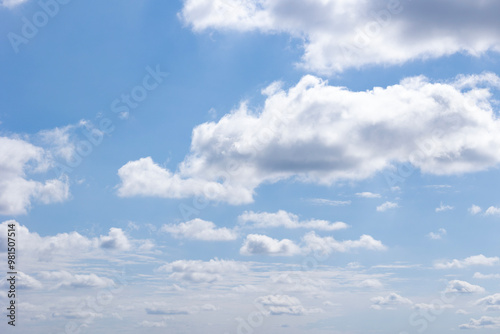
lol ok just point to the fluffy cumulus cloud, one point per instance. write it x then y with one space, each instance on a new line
327 245
478 275
390 301
476 260
198 271
492 211
456 286
343 34
18 158
285 305
483 322
198 229
258 244
317 133
287 220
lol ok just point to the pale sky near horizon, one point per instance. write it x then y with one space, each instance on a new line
251 166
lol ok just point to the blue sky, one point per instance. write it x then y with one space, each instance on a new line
251 166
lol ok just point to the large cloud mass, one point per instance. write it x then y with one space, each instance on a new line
339 34
322 134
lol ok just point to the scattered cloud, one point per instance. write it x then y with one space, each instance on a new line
390 301
371 283
323 201
198 229
492 211
165 309
438 306
23 281
116 239
285 305
198 271
483 322
12 3
443 207
367 194
492 302
478 275
258 244
476 260
287 220
328 245
474 209
456 286
64 279
17 159
438 235
386 206
67 245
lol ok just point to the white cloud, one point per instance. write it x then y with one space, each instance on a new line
116 239
389 301
323 134
67 280
323 201
198 229
12 3
456 286
287 220
478 275
474 209
367 194
198 271
153 324
328 245
23 281
492 302
386 206
258 244
443 207
371 283
476 260
165 309
342 34
284 304
71 245
437 236
437 306
492 210
483 322
17 159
